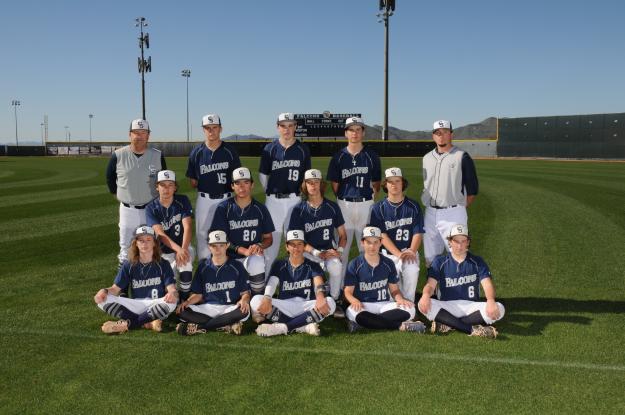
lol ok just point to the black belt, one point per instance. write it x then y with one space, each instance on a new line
134 206
354 199
219 196
441 207
282 195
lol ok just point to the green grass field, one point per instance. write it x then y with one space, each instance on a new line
552 232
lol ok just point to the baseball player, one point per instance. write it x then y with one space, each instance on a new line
282 166
371 289
401 222
456 278
248 226
355 173
171 217
320 219
131 176
152 286
221 285
210 170
449 187
301 303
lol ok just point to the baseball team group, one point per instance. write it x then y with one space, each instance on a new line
238 238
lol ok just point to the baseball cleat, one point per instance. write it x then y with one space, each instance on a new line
189 329
440 328
236 328
484 331
413 326
268 330
352 326
115 327
154 325
339 312
311 328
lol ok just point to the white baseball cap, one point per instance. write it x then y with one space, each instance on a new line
392 172
354 121
286 117
459 229
139 124
164 175
312 174
441 124
242 173
211 119
145 230
371 231
217 237
295 235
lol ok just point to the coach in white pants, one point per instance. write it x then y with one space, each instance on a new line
131 176
449 186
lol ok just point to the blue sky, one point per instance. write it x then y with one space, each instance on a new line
251 60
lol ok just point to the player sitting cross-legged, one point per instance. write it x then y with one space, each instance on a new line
220 293
248 226
152 288
170 215
456 278
319 219
301 303
370 288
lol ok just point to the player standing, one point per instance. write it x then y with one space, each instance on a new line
449 187
355 173
369 280
131 176
456 278
301 303
221 285
248 226
171 217
282 166
401 222
152 286
209 170
319 219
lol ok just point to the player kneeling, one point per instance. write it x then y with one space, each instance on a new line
300 280
170 215
152 285
369 279
457 277
221 284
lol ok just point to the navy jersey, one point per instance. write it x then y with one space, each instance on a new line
244 227
318 224
371 283
284 166
145 280
458 281
170 218
296 281
213 169
399 221
354 174
222 284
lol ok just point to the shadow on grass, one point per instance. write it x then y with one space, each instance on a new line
553 310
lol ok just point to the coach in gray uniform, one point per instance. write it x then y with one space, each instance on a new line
449 187
131 176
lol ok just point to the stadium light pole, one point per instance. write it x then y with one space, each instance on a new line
387 9
16 104
90 118
42 142
187 74
67 134
144 65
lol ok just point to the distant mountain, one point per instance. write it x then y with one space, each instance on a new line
484 129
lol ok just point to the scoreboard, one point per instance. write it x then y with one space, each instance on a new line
325 125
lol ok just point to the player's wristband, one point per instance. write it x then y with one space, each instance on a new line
316 252
106 291
320 289
260 245
267 296
233 249
340 249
